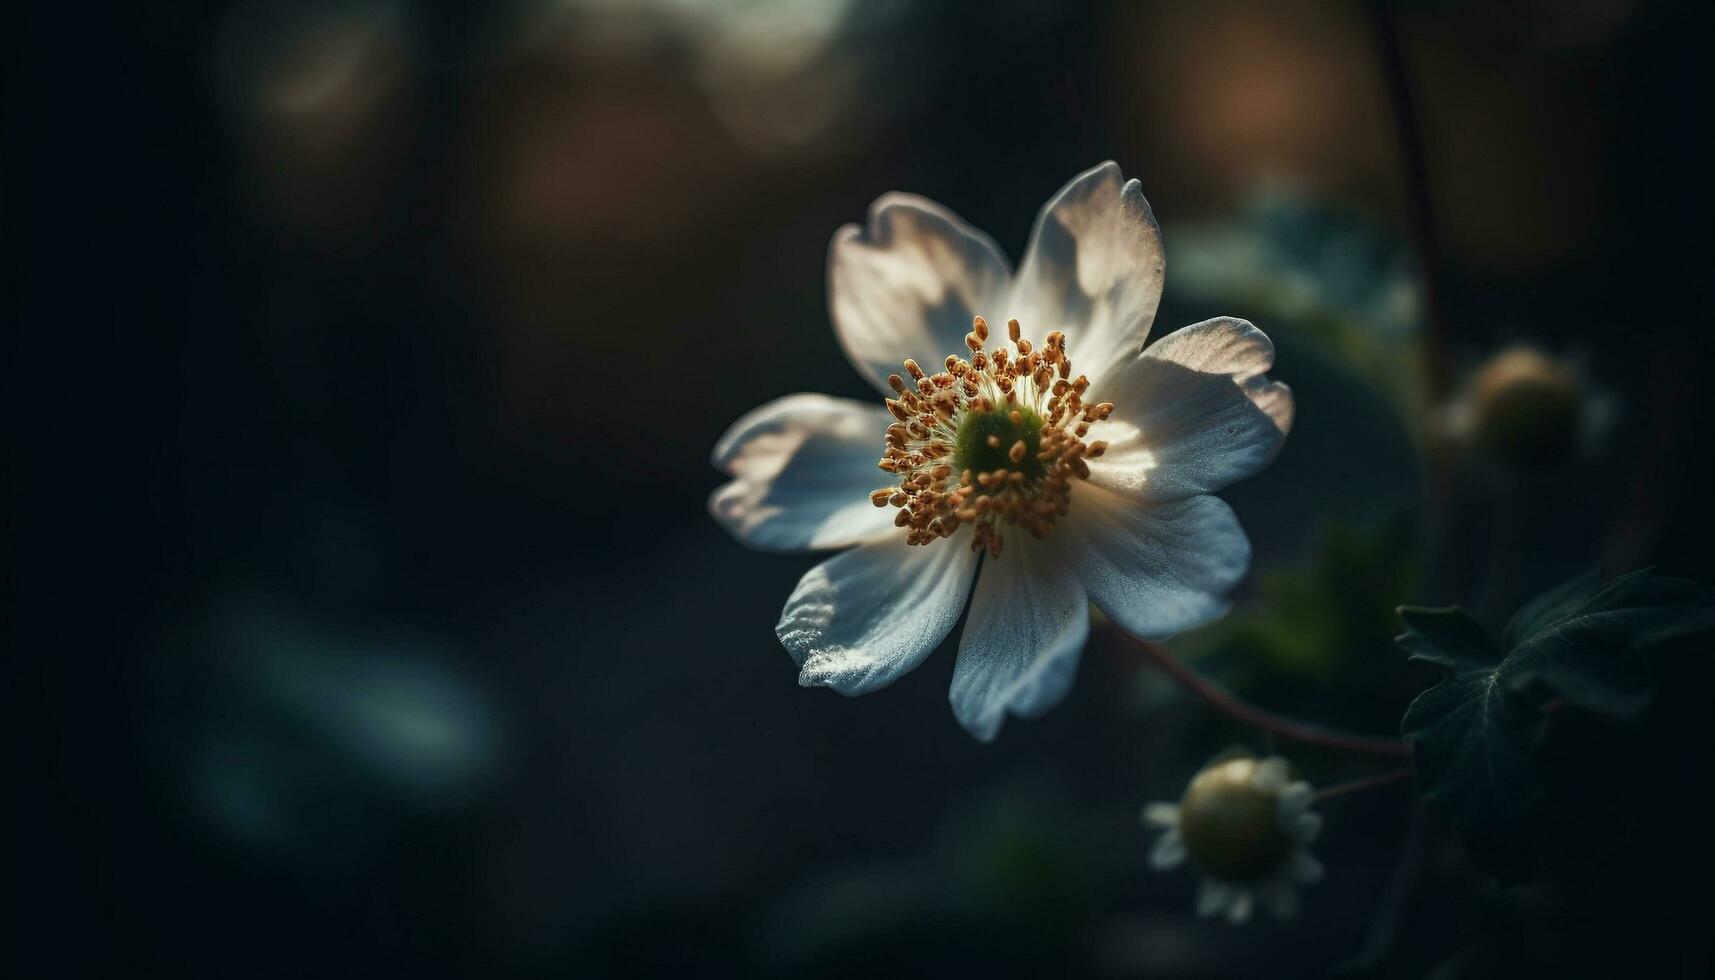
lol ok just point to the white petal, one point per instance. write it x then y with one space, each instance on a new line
1156 569
1213 896
1295 801
1094 269
1236 348
861 619
1239 908
1306 827
1271 774
1029 619
1304 869
908 283
1161 815
1168 852
804 466
1194 413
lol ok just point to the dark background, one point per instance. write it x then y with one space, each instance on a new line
366 359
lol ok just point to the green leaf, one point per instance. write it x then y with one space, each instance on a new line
1473 739
1590 650
1449 637
1474 751
1556 603
1475 734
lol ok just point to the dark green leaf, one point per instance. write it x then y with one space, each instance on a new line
1556 603
1449 637
1473 738
1589 650
1475 734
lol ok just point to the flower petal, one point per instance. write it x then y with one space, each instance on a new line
908 283
1305 828
1239 906
1156 569
1271 775
1094 269
1213 897
804 466
1295 801
1195 412
861 619
1164 815
1168 852
1028 622
1303 868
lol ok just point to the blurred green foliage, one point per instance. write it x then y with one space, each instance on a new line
1313 620
1289 259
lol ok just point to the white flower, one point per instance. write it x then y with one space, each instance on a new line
1246 826
1098 482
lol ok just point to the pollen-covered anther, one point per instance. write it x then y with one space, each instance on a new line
992 440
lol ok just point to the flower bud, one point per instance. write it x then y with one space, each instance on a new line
1526 408
1231 825
1245 826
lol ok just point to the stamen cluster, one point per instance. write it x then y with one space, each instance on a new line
998 437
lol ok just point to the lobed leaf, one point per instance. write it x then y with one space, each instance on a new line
1475 734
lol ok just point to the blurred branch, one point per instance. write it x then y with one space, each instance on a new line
1420 212
1230 705
1359 785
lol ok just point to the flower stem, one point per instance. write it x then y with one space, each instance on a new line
1359 785
1227 703
1420 211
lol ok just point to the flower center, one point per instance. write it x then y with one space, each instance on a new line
1230 826
994 439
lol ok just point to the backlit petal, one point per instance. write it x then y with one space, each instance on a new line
803 467
1156 569
861 619
908 283
1019 653
1094 269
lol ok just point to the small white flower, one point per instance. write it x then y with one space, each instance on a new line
1097 480
1246 826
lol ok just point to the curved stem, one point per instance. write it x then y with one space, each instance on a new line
1227 703
1359 785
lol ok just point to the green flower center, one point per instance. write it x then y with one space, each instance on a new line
1231 828
986 441
992 440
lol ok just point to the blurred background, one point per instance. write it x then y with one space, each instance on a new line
366 616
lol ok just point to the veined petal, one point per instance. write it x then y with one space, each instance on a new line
861 619
908 284
803 467
1156 569
1029 619
1196 413
1094 269
1234 347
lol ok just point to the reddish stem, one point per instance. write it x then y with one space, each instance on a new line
1227 703
1359 785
